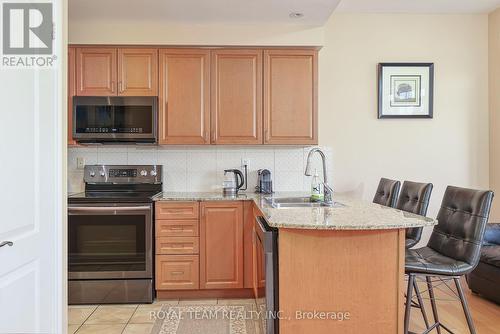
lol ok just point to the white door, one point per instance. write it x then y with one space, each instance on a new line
32 182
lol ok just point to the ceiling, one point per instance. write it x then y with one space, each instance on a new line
418 6
316 12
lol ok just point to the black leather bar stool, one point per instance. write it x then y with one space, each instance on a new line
453 249
414 198
387 192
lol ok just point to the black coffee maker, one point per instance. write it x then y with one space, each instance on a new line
264 182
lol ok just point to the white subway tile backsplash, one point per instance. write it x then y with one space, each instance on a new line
112 158
175 180
201 168
288 181
289 159
229 159
112 149
201 161
90 157
142 158
173 160
202 181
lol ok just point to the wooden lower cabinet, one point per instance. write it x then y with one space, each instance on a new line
221 245
177 272
206 257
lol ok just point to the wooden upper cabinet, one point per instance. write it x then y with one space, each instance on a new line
184 97
71 92
221 245
290 97
236 96
96 71
137 72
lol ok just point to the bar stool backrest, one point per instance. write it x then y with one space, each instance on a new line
387 192
462 220
415 198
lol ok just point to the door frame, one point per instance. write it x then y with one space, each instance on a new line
61 237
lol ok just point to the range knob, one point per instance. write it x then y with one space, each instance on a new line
102 173
92 173
153 173
144 173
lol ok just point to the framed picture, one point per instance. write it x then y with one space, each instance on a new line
405 90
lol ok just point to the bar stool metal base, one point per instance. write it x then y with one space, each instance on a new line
412 285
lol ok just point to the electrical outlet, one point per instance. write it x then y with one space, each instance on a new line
245 162
80 163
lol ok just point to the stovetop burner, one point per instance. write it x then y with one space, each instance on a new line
109 196
119 184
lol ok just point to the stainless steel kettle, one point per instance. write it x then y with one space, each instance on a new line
233 181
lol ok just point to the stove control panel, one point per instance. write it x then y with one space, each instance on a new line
122 174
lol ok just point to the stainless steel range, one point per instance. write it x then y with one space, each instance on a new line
110 235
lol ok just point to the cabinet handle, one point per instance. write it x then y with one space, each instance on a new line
266 135
177 272
174 228
112 86
120 88
6 243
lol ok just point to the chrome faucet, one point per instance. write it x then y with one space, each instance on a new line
328 190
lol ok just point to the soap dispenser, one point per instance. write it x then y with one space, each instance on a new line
317 193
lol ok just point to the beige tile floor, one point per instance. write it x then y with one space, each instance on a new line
127 319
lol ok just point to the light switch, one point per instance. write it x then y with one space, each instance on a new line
80 163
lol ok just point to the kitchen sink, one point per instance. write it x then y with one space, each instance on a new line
299 202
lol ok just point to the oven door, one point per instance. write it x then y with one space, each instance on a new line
114 119
110 241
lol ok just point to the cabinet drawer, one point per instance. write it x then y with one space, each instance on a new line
177 210
177 245
177 228
177 272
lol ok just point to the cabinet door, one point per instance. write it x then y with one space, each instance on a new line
177 272
184 96
221 245
236 96
138 72
71 92
96 71
290 97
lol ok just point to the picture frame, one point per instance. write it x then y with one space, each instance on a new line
405 90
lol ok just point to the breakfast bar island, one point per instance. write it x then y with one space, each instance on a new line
336 269
341 269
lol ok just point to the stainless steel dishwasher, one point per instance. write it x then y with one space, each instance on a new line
267 284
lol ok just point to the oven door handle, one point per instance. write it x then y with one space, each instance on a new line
75 209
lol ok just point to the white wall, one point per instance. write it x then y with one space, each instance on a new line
494 80
452 148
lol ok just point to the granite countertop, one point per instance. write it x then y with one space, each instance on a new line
355 214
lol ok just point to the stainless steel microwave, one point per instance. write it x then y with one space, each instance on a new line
113 119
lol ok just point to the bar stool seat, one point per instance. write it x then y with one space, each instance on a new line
410 242
427 261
